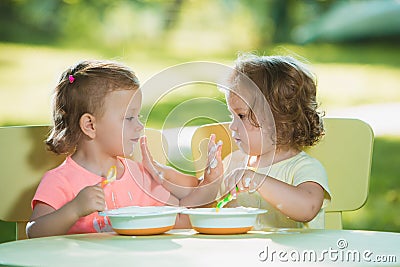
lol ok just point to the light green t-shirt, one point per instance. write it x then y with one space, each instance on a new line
295 170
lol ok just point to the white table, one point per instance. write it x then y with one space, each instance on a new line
297 247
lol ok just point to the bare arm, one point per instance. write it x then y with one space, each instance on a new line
46 221
52 222
179 184
204 194
300 203
207 191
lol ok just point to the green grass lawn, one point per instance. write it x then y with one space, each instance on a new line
347 76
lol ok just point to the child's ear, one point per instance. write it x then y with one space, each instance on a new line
87 122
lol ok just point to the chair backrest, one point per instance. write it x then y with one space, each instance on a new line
24 160
345 151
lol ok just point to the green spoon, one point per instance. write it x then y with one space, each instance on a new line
229 196
225 200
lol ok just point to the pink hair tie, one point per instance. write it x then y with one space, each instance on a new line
71 78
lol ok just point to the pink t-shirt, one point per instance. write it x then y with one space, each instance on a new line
135 188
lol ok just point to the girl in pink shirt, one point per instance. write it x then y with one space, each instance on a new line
96 123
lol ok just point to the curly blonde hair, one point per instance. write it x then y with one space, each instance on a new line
290 90
82 89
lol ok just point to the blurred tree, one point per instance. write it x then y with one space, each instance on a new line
109 24
99 22
353 21
172 14
28 20
42 20
276 19
281 17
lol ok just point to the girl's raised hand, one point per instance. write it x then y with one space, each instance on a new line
148 161
215 167
90 199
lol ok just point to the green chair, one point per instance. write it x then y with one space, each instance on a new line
24 160
345 151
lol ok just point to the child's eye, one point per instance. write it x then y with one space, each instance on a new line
130 118
241 116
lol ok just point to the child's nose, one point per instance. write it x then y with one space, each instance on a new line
139 127
232 125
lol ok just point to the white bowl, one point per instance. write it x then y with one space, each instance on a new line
224 221
148 220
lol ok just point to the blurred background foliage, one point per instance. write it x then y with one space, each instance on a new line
352 45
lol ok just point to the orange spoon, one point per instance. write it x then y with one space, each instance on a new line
111 176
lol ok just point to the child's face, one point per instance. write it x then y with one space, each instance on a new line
120 121
249 138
